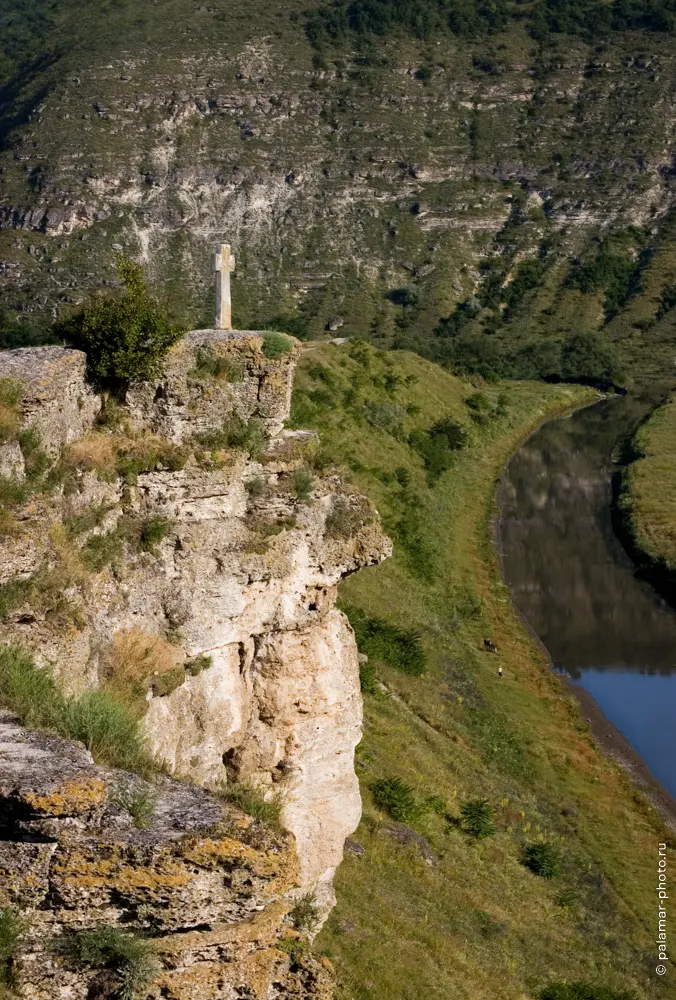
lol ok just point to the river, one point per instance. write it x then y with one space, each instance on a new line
575 584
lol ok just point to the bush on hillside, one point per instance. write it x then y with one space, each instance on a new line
542 859
24 332
437 445
396 798
126 336
395 646
477 818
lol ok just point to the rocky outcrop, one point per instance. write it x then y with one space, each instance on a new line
186 401
56 399
203 889
224 625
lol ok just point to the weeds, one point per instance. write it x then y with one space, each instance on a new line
583 991
10 397
139 803
368 681
130 957
209 365
347 516
11 928
255 487
399 648
249 435
152 533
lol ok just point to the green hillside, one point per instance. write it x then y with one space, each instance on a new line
429 910
479 182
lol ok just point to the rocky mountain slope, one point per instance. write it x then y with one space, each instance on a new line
180 553
373 182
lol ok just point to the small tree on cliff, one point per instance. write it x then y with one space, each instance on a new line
126 336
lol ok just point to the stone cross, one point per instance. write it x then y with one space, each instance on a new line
224 264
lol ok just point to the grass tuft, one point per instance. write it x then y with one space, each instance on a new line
396 798
130 957
253 801
107 728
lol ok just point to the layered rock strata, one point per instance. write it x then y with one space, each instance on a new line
226 621
204 886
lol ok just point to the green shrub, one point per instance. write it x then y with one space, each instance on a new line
276 345
152 532
305 913
252 800
13 594
146 456
130 957
125 337
303 484
583 991
396 798
542 859
437 445
36 460
398 647
108 730
385 416
477 818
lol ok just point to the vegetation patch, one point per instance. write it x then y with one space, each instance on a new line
126 337
304 913
276 345
542 859
255 802
396 798
477 818
107 728
130 958
398 647
11 928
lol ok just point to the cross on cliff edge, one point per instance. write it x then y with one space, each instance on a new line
224 265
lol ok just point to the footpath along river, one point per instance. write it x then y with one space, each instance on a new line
576 586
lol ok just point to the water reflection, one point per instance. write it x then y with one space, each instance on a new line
575 584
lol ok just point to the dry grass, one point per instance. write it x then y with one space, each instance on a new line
133 660
94 453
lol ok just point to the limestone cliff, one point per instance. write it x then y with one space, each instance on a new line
183 552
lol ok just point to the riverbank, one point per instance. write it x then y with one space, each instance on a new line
424 909
646 501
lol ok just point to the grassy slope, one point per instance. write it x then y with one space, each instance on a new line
476 923
649 494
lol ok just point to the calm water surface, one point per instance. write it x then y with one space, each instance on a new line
574 582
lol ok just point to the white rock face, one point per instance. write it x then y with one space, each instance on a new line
255 674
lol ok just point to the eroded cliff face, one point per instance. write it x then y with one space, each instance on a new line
209 887
197 582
